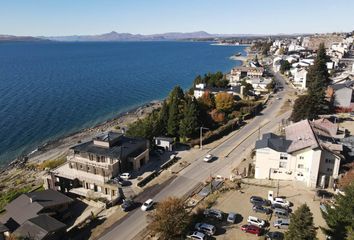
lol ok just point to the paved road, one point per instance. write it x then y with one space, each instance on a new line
229 155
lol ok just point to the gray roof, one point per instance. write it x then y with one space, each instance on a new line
108 136
3 228
22 208
168 139
113 151
273 141
39 227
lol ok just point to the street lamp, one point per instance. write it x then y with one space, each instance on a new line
201 136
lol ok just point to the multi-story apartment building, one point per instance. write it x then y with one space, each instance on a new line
306 153
92 166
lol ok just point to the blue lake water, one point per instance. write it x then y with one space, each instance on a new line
51 89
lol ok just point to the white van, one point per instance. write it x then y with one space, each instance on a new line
281 213
281 223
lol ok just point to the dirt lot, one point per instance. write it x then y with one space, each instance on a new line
238 202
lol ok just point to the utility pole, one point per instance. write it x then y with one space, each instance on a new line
201 136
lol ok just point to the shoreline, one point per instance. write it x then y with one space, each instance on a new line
56 148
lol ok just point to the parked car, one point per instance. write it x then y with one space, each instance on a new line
276 205
231 218
256 221
125 176
208 158
281 223
282 202
255 200
196 235
324 194
281 213
251 229
128 205
213 213
274 236
208 229
147 205
261 209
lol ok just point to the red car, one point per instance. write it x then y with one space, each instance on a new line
251 229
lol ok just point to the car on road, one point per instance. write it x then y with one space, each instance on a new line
196 235
256 221
255 200
208 158
147 204
248 228
281 223
261 209
128 205
278 98
213 213
125 176
206 228
231 217
281 201
274 236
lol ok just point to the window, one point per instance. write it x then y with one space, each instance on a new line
283 156
301 157
329 169
91 157
300 174
300 166
88 168
282 164
80 166
103 159
328 160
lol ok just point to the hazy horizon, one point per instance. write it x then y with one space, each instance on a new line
92 17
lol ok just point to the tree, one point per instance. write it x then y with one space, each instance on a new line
173 119
217 116
301 225
317 81
206 101
300 110
163 118
284 66
189 123
170 220
224 102
248 88
339 218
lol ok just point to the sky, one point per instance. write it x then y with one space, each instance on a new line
83 17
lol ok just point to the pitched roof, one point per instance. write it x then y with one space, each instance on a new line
39 227
273 141
28 205
301 136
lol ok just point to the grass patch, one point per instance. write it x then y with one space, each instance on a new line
51 164
10 195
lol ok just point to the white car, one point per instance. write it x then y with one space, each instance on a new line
281 202
125 175
256 221
208 158
147 204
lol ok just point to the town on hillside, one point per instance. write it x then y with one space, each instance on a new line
264 150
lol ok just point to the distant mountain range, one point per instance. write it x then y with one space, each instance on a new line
4 38
115 37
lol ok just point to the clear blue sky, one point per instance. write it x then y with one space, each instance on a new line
68 17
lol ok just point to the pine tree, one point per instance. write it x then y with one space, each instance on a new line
189 123
301 225
173 118
317 81
163 118
340 219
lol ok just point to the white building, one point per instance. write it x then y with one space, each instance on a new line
201 88
164 142
300 78
259 84
302 155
